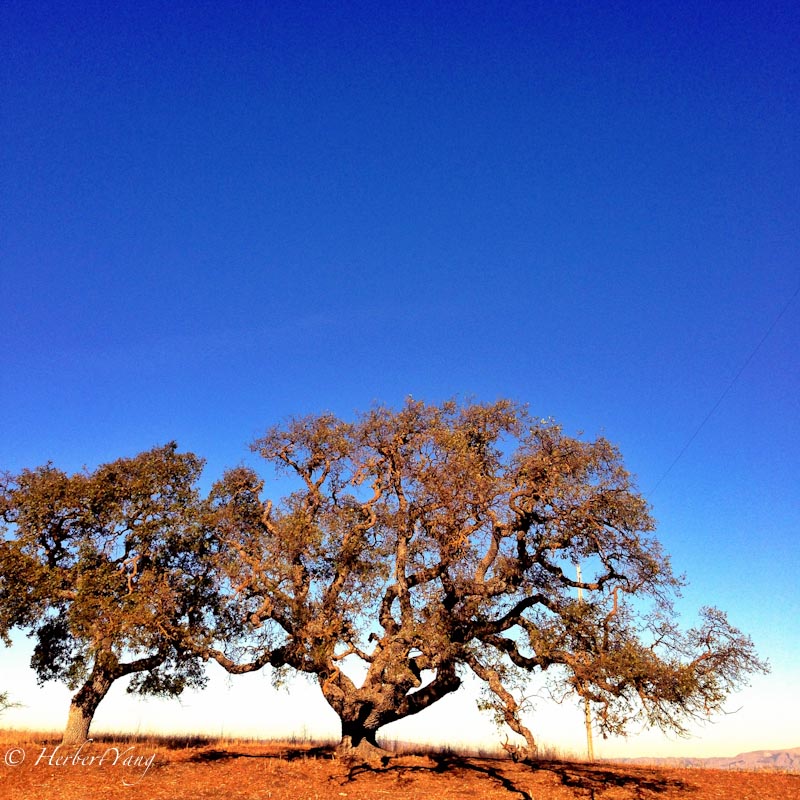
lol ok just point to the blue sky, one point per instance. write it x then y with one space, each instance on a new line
219 215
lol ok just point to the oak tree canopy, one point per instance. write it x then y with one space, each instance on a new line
423 543
103 568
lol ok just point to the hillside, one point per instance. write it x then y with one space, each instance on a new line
781 760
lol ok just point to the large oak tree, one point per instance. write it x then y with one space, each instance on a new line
422 543
103 568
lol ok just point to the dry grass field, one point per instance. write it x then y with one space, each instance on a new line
32 767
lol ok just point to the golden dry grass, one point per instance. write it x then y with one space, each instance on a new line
173 768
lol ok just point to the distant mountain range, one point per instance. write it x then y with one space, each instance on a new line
783 760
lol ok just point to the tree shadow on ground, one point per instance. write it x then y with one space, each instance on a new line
594 777
284 754
441 764
588 779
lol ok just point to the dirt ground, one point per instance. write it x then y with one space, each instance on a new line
142 770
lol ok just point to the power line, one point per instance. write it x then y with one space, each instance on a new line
726 390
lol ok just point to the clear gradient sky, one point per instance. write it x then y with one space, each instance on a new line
216 215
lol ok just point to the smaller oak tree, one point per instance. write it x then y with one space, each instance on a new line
102 568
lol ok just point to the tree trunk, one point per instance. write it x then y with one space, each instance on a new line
83 706
359 742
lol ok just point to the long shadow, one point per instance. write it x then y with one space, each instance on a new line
587 778
286 754
592 778
442 763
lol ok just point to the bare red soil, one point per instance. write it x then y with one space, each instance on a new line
153 770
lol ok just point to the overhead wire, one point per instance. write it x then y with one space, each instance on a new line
725 392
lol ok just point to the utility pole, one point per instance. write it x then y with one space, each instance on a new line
587 710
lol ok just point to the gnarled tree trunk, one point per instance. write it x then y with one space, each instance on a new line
359 740
84 704
383 698
360 715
